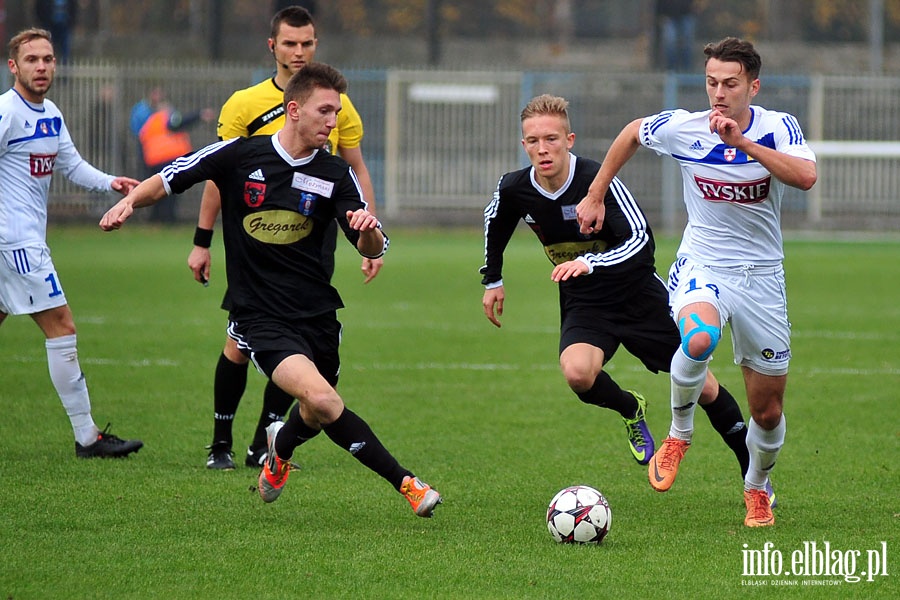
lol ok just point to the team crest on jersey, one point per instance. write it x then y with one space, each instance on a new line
307 203
730 154
48 127
254 193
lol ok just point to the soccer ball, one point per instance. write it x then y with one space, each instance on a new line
579 515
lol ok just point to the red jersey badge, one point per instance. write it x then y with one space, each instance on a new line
254 193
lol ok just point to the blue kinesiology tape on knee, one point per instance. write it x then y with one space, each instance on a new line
714 334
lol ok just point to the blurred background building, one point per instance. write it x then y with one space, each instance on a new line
828 36
440 83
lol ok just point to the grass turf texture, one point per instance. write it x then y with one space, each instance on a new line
482 414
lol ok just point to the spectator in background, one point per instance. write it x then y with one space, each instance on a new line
58 17
164 138
677 21
142 110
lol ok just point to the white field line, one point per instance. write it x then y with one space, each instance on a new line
463 366
439 366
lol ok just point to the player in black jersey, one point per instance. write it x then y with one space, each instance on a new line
609 291
279 193
259 110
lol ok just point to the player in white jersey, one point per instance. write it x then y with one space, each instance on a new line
34 142
735 160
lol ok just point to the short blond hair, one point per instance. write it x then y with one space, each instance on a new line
546 104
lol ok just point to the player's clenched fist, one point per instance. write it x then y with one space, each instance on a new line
362 220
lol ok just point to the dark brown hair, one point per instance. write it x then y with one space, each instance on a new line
732 49
295 16
314 75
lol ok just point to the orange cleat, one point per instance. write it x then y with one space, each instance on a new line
275 471
421 497
664 464
759 512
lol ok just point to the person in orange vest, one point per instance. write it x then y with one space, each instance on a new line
164 138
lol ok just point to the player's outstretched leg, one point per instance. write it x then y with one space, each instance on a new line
726 418
353 434
687 377
606 393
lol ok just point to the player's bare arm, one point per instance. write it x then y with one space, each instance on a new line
199 259
571 268
148 192
492 303
591 210
791 170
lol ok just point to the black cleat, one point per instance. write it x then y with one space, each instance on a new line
108 446
220 456
256 457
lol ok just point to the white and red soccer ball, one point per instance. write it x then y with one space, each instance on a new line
579 515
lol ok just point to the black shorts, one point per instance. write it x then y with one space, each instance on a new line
269 341
643 325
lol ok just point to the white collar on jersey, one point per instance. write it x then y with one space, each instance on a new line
563 188
294 162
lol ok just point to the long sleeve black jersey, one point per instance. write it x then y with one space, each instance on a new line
274 213
620 254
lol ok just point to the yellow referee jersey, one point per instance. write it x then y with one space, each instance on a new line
259 110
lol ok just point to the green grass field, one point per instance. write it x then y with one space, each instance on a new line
482 414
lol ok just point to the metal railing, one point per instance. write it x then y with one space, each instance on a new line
436 142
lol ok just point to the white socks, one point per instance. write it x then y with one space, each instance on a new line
764 447
688 377
67 378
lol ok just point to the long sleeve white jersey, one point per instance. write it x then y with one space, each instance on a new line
733 202
34 142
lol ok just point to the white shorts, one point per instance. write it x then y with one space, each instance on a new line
28 281
753 299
